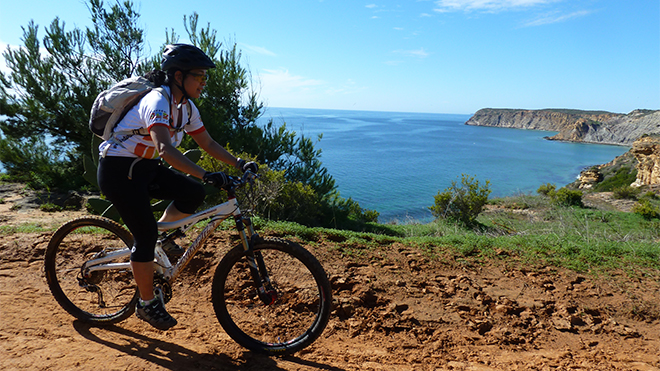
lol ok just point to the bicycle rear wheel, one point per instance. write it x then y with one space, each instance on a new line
299 306
101 297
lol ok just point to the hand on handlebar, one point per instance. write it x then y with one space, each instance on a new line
218 179
245 166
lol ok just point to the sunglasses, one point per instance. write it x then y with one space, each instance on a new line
200 77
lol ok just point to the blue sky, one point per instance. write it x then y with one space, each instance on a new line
445 56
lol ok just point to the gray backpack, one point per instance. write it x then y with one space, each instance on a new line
111 105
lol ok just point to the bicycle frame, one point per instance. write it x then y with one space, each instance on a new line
217 214
88 270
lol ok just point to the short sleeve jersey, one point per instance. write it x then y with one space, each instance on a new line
153 109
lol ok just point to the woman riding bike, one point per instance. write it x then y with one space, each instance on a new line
131 173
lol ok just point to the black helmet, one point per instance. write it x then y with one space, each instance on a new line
184 57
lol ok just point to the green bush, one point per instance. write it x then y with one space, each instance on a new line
547 189
625 193
645 208
32 161
342 213
625 176
650 195
463 202
279 199
276 197
568 197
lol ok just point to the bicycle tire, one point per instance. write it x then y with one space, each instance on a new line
296 318
76 242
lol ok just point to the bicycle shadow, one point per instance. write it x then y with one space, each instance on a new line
176 357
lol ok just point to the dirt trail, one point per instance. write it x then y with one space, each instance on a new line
395 309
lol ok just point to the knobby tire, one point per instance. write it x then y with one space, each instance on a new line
298 315
70 246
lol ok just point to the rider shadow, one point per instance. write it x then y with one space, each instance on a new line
175 357
169 355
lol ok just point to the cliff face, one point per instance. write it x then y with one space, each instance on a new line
573 125
647 152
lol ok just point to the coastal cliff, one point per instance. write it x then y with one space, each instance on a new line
647 152
642 160
575 125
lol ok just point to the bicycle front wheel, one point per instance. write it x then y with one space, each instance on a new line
298 303
99 297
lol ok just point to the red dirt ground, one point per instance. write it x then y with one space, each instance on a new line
395 309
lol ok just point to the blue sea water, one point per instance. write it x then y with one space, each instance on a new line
395 163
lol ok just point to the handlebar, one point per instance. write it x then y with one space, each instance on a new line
236 182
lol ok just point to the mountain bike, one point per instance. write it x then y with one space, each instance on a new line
270 295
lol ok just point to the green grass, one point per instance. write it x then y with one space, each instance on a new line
23 228
526 230
581 239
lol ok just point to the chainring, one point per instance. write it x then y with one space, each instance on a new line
162 284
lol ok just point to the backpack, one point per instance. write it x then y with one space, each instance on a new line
111 105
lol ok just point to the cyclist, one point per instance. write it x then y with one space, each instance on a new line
130 171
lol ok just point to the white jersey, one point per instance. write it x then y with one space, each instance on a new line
153 109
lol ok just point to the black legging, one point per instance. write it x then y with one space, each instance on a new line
132 197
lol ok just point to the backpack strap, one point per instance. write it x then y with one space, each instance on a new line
141 131
144 131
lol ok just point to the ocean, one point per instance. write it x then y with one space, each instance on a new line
395 163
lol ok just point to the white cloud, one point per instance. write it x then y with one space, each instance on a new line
280 81
281 88
348 87
258 50
556 18
371 6
486 5
419 53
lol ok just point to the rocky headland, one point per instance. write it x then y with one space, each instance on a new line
639 129
575 125
647 153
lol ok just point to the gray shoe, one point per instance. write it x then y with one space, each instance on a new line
156 315
171 248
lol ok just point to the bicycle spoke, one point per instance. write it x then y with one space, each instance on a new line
102 296
291 321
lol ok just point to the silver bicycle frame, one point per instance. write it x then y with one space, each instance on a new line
218 214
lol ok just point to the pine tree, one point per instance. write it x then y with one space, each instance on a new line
46 99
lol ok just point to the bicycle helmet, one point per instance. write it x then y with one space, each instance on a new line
185 57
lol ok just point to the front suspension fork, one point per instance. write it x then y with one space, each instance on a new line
260 278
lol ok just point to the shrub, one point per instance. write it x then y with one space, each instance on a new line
625 192
568 197
645 208
277 198
34 162
463 202
546 189
625 176
650 195
290 201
